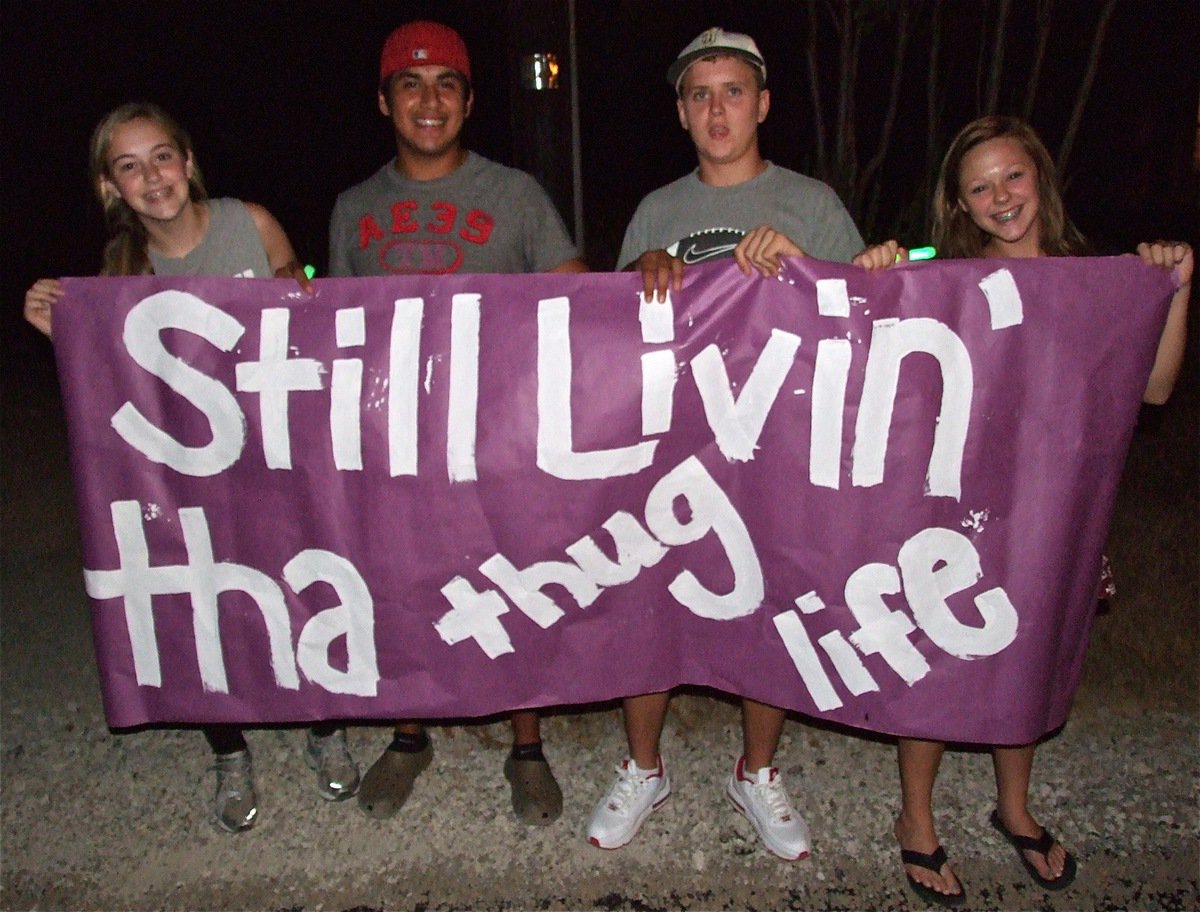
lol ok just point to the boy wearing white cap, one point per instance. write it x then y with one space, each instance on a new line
734 204
439 208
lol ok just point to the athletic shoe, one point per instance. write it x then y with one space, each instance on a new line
630 800
536 798
761 797
235 805
389 781
337 773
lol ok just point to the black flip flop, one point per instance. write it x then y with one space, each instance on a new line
1042 845
931 862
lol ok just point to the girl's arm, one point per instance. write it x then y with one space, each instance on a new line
38 301
1169 255
280 254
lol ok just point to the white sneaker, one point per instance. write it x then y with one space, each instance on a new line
630 800
762 799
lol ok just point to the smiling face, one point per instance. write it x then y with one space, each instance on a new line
147 170
998 187
721 106
427 106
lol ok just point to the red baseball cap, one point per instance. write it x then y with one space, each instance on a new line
423 44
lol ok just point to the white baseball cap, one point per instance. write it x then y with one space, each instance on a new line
716 41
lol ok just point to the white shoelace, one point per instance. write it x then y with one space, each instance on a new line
774 798
627 787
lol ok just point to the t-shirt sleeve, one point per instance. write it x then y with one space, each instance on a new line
547 244
837 237
636 241
341 236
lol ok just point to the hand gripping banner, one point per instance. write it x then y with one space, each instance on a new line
880 499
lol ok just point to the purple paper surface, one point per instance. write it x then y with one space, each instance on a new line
880 499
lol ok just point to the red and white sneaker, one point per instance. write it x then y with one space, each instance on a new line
631 799
762 799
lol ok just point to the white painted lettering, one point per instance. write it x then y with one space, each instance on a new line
937 563
891 341
142 337
352 617
274 377
711 511
555 448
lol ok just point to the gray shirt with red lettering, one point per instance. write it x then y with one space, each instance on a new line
482 217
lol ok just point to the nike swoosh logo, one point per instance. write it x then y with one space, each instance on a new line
696 254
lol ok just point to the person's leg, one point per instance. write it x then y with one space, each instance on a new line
225 739
642 782
756 786
389 781
235 802
919 762
1014 768
325 729
762 725
645 716
536 796
527 729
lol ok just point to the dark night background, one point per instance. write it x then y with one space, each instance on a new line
280 100
279 96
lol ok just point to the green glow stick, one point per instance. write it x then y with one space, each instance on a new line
922 253
310 270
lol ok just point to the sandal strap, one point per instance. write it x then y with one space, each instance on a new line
930 862
1040 844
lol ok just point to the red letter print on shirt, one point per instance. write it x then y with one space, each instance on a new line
446 214
420 257
479 227
368 231
402 217
426 253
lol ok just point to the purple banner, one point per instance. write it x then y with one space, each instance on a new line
877 499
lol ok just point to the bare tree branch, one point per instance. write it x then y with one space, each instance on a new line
845 110
832 9
932 112
992 98
1045 9
1085 87
869 175
983 33
814 87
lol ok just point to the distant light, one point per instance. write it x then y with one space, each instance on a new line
539 72
310 270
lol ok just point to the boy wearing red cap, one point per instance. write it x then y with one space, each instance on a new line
735 204
438 208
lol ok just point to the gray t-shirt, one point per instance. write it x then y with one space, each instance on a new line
231 246
697 221
482 217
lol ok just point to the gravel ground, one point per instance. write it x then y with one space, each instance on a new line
97 820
